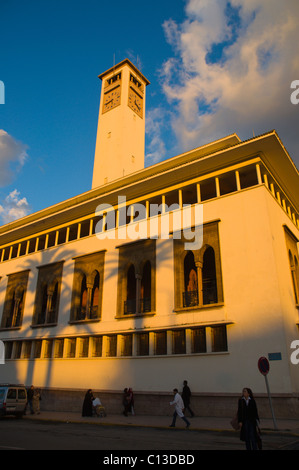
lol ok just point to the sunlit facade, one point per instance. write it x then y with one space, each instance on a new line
85 303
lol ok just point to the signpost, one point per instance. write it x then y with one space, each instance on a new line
264 367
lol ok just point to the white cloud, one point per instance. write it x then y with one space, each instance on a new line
12 157
247 86
14 207
155 122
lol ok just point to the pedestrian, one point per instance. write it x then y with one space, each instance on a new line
178 410
186 395
126 401
30 393
87 403
248 419
36 401
131 399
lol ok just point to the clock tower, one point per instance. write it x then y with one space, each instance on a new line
121 124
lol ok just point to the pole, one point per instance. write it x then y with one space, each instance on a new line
270 401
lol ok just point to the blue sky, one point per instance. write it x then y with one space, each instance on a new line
215 67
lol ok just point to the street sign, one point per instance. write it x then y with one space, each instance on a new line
263 365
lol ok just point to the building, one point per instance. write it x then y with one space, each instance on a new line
93 296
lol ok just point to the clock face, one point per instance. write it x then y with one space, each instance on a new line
135 102
111 99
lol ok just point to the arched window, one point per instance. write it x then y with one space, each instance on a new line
95 296
15 316
42 315
209 283
190 296
52 316
145 290
130 305
83 299
294 273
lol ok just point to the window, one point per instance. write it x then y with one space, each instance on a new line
198 339
208 189
209 283
71 348
189 194
198 277
15 300
293 257
83 347
126 349
248 176
227 183
130 303
136 280
111 350
178 342
97 346
27 349
160 343
59 344
37 349
48 348
8 349
88 287
47 294
18 349
142 344
219 338
190 295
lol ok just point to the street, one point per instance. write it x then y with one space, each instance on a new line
45 435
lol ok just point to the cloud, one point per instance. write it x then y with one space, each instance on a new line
14 207
155 122
13 155
231 71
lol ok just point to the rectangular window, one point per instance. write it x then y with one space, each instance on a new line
178 342
23 248
97 346
84 345
126 349
61 236
71 347
84 229
37 349
51 239
189 194
208 189
41 242
227 183
14 251
219 338
27 349
160 342
248 177
142 344
8 349
59 343
18 349
199 340
73 233
48 348
32 245
111 346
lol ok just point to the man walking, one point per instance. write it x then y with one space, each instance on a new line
178 410
186 395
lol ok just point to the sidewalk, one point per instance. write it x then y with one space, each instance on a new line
197 423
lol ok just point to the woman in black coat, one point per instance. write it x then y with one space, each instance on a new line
87 404
247 418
